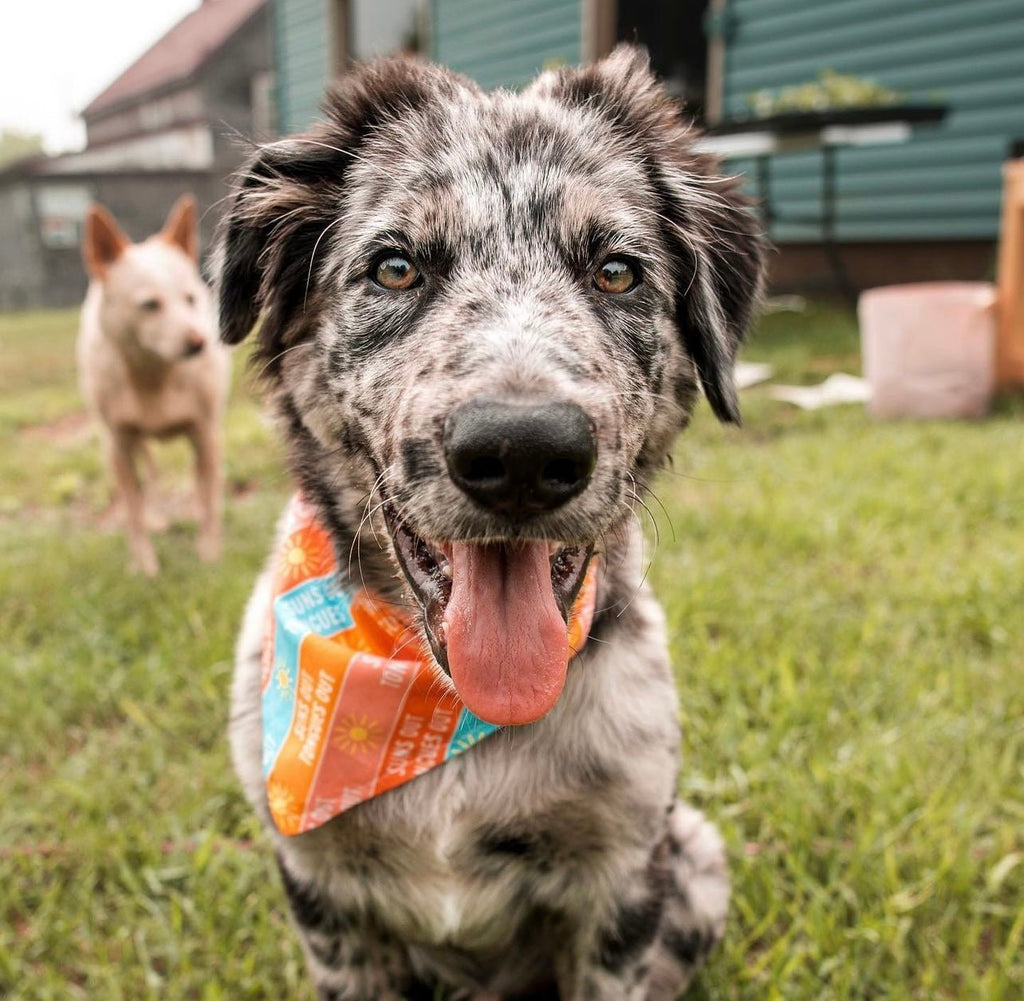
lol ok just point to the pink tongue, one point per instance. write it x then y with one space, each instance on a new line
507 646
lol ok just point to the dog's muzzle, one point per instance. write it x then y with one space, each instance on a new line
496 608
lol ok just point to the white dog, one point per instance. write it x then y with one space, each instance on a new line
150 363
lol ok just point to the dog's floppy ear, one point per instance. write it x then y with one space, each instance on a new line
182 226
293 191
284 199
711 231
103 242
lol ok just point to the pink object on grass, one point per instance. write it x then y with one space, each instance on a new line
929 348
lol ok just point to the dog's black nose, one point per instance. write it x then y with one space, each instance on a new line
519 458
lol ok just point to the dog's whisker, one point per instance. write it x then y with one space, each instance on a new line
668 517
368 512
270 362
639 500
312 258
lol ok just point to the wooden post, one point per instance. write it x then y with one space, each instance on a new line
339 45
597 29
1010 337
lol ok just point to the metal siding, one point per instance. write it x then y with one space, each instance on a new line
498 43
943 184
301 60
504 43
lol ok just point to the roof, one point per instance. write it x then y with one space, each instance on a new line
179 53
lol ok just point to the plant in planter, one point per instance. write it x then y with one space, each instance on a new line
829 91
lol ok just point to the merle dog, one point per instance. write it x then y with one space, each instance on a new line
484 319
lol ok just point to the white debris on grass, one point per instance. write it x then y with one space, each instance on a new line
785 304
750 373
837 388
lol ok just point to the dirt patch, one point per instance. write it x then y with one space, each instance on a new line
70 429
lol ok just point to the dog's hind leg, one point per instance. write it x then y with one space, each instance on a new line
120 449
693 920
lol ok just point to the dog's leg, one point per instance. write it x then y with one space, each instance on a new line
693 921
120 448
206 441
616 964
348 961
665 927
156 519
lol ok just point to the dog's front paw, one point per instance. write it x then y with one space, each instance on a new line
208 545
144 560
693 922
156 520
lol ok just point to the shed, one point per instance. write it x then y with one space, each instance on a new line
168 123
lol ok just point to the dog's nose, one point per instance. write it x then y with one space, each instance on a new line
194 343
519 458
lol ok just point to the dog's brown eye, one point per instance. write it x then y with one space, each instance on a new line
396 272
615 276
149 305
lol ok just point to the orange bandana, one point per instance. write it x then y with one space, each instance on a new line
352 702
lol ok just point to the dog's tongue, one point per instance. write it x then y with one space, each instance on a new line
507 647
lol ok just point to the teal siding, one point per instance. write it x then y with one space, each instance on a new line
301 60
943 184
497 42
504 43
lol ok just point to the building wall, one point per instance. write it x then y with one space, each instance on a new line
227 85
183 104
302 45
21 255
179 147
945 182
497 42
41 264
505 43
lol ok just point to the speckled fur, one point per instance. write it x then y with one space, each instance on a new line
553 859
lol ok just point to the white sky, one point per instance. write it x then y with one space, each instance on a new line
57 55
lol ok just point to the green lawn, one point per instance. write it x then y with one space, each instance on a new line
846 601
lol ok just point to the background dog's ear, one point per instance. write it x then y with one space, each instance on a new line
103 242
182 226
292 192
713 235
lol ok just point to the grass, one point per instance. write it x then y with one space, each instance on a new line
845 599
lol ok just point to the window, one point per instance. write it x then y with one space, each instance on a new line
61 209
673 31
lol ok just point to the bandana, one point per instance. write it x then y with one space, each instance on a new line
352 704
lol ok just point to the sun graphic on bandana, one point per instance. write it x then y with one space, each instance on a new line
284 680
306 553
281 801
356 735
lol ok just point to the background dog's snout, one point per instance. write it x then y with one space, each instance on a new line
194 343
520 458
